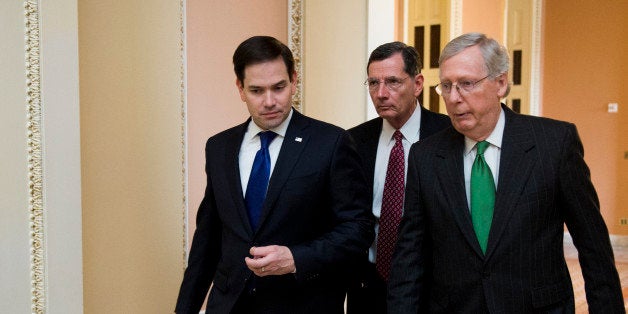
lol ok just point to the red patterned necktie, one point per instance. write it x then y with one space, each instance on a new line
392 205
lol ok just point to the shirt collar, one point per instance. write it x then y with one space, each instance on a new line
254 129
410 129
495 138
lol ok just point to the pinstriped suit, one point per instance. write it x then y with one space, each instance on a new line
544 183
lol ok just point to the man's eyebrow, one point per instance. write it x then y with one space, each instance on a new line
272 85
280 82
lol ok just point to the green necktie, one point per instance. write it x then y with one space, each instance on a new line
482 195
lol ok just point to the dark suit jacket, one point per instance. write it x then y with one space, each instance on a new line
544 183
368 293
316 205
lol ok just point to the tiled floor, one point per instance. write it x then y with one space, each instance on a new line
621 261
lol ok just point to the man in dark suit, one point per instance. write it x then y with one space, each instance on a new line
394 83
291 253
487 201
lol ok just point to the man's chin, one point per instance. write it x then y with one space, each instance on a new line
387 113
267 124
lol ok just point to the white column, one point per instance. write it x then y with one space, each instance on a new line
15 287
61 156
381 29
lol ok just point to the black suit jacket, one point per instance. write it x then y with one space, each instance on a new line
544 183
316 205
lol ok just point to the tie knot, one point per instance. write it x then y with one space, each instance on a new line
397 136
481 147
266 137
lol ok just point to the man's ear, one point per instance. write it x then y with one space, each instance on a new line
502 85
293 83
418 82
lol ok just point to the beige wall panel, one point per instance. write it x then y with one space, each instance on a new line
335 61
15 287
484 16
131 139
585 64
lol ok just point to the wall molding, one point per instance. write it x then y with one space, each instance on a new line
535 59
295 43
184 148
455 26
35 168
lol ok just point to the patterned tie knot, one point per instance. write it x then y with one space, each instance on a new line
397 136
481 147
266 137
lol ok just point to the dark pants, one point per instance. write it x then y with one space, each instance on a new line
328 300
368 294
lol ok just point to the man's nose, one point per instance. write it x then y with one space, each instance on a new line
269 98
382 90
455 93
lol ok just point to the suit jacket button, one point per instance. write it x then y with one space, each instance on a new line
486 274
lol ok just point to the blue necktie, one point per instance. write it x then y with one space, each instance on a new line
258 181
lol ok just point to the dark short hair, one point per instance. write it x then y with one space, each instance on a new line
258 49
411 60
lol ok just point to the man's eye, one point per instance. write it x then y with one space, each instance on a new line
256 91
280 87
393 81
465 84
446 85
373 83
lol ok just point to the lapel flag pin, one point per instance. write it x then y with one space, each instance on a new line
298 139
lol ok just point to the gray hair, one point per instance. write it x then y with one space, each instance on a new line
495 55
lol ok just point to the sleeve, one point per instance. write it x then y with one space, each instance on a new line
351 223
579 202
406 285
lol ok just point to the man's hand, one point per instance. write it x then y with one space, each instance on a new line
270 260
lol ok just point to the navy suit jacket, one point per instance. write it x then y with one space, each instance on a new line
316 205
544 183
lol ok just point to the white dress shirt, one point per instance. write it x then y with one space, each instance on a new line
411 131
251 144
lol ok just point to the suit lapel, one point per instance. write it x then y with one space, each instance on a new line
367 143
451 171
515 167
295 141
233 177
